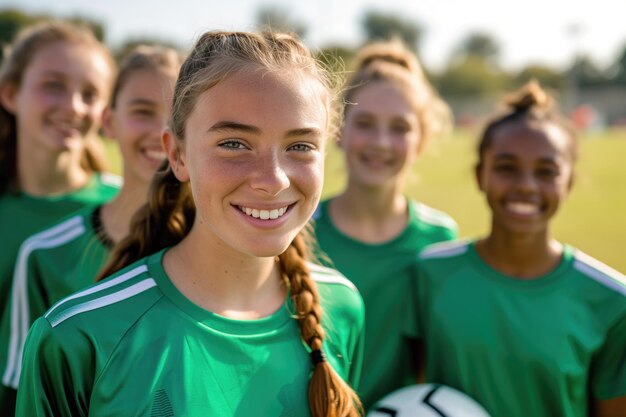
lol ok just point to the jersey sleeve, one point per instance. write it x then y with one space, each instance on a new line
55 376
608 375
354 377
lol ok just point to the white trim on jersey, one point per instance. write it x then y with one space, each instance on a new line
101 287
321 273
434 217
111 179
444 250
20 314
104 301
600 272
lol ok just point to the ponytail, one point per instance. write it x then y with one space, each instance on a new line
329 395
163 221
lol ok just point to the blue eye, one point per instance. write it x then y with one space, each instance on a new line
301 147
232 144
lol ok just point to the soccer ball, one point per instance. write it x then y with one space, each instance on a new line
427 400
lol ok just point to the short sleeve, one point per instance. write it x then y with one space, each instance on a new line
52 381
608 374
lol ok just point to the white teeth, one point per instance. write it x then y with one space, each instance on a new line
523 208
154 154
264 214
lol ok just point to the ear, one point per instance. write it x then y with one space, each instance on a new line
7 97
108 125
572 180
175 155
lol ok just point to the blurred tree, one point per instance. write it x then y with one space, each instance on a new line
546 76
619 68
384 26
276 18
11 21
478 45
471 76
585 73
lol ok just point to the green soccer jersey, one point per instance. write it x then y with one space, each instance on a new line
50 265
540 347
22 215
133 345
379 271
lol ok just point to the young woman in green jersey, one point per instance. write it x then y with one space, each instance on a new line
210 307
525 324
54 85
373 231
67 256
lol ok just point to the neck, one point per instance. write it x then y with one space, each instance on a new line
117 214
42 173
370 214
522 257
225 282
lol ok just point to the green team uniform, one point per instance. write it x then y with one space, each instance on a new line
540 347
22 215
380 272
50 265
133 345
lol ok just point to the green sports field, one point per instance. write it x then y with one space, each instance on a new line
593 219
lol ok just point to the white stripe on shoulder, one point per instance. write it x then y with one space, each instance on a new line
102 286
600 272
111 179
104 301
435 217
57 229
321 273
19 314
444 250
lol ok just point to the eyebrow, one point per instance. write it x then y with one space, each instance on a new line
505 155
228 125
142 101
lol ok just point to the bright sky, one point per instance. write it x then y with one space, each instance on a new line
529 31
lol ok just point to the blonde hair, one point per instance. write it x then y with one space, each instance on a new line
19 55
146 57
392 61
530 102
169 214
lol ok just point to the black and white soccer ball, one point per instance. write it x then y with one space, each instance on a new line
427 400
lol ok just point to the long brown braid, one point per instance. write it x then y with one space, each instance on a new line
19 55
169 214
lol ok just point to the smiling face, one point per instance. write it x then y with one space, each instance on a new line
253 153
137 122
61 97
380 136
526 173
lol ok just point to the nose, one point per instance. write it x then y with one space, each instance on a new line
76 104
269 174
527 182
382 138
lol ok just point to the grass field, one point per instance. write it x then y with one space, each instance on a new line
593 219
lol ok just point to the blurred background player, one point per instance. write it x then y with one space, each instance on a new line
372 231
67 256
524 324
54 85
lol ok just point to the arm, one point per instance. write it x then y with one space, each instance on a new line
615 407
51 383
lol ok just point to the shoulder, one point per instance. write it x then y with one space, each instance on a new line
335 289
109 180
110 306
597 271
434 218
59 234
444 250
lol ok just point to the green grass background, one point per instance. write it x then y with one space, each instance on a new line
593 219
